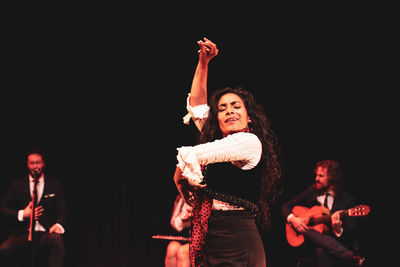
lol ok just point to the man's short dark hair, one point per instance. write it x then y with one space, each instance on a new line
35 150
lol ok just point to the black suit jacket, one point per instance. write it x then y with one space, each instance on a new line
308 198
52 200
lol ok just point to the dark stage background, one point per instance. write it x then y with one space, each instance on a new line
104 93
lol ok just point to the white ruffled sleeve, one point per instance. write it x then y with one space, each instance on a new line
195 113
242 148
189 164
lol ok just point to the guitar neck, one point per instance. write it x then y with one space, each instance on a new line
326 218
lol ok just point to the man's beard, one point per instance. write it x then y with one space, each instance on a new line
36 174
320 188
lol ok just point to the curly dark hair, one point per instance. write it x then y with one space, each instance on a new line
260 125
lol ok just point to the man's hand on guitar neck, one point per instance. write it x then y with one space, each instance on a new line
299 224
337 223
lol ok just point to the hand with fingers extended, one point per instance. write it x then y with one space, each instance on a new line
28 211
207 50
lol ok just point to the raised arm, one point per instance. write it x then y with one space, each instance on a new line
198 91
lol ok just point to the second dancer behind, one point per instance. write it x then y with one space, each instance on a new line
231 177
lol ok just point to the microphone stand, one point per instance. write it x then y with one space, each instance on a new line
32 218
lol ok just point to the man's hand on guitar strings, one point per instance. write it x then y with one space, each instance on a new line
299 224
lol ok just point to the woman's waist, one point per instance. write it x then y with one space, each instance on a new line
226 210
228 202
231 220
224 206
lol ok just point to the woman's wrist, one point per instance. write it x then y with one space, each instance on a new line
203 62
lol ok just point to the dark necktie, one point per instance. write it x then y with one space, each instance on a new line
35 191
326 201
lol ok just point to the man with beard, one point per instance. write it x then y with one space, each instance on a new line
328 192
47 219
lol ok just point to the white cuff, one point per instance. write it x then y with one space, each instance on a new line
189 164
62 228
291 215
338 232
21 215
196 112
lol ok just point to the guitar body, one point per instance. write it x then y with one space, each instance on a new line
316 218
296 239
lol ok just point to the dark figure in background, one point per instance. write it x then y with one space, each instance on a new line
238 156
327 191
50 214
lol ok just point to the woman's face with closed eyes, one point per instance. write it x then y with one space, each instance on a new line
232 114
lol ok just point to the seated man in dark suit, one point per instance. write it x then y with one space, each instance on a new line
327 191
48 217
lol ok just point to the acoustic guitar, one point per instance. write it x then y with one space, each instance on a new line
316 218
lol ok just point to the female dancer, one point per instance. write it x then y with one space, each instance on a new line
231 177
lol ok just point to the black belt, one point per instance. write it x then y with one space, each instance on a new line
233 200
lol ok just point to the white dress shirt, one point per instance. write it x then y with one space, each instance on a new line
329 200
181 210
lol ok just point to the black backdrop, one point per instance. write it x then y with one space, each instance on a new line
104 93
